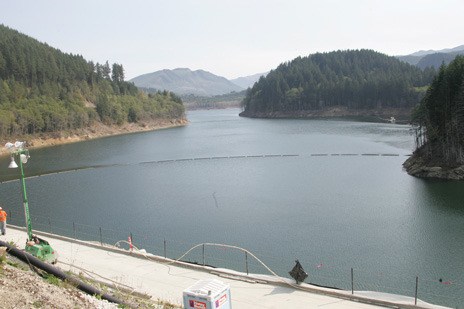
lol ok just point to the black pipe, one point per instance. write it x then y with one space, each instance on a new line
29 259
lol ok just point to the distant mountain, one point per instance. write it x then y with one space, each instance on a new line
184 81
228 100
411 59
445 51
436 60
432 58
248 81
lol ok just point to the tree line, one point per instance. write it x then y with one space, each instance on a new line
440 117
357 79
45 90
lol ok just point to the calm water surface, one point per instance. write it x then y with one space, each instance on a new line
313 190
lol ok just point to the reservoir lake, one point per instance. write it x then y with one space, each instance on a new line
330 193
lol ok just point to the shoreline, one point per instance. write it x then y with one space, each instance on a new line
402 115
95 131
416 166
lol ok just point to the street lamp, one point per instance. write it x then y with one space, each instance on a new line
18 150
34 245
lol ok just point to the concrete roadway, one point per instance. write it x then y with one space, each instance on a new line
163 280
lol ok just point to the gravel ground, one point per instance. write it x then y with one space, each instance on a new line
20 287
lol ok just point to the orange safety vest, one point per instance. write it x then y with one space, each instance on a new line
3 216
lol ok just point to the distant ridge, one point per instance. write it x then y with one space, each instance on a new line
184 81
248 81
446 50
432 58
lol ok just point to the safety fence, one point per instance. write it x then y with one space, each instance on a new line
441 291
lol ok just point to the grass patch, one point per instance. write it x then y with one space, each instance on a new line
52 279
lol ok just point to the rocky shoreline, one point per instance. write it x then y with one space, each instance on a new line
97 130
417 166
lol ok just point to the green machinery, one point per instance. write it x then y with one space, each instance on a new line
36 246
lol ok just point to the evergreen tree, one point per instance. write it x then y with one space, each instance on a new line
357 79
45 90
440 117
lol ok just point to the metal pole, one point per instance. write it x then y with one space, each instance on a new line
165 248
415 297
101 238
74 230
25 202
352 281
246 261
203 254
50 224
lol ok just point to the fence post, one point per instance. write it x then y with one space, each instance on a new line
74 230
352 281
246 261
165 248
415 297
101 237
203 254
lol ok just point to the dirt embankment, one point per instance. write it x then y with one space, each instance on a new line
97 130
22 288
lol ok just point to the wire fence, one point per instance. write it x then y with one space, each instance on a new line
446 292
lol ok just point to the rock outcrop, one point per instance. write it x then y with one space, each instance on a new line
417 166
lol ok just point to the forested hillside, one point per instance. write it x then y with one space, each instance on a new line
354 80
230 100
440 119
437 59
45 90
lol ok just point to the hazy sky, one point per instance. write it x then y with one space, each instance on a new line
232 38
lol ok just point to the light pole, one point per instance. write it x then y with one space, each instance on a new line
17 150
34 245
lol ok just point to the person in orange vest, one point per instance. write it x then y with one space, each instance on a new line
3 216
